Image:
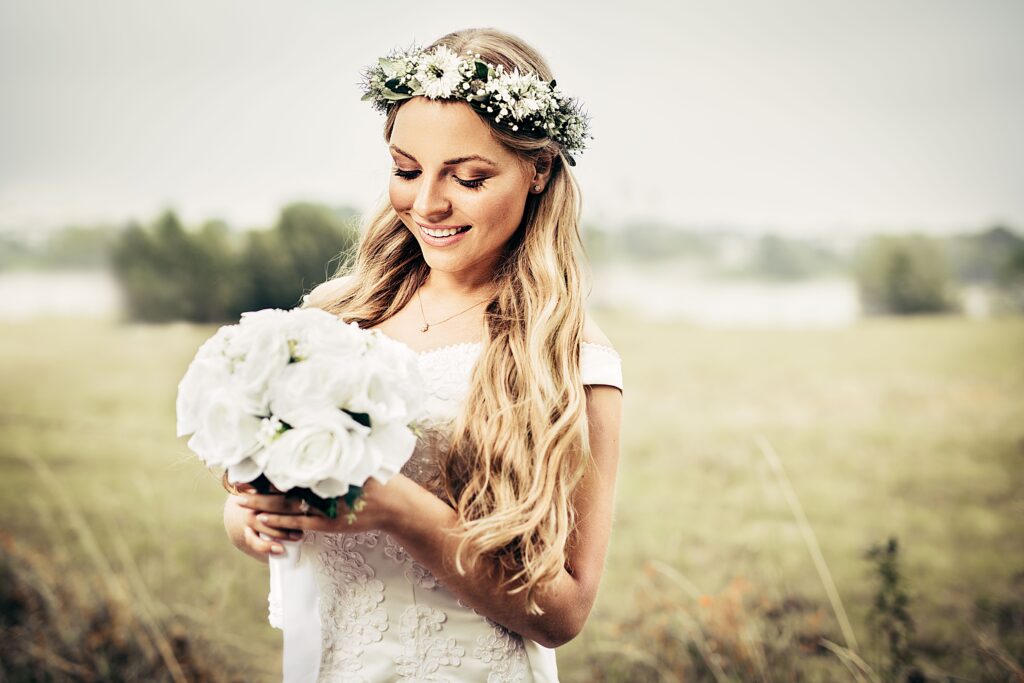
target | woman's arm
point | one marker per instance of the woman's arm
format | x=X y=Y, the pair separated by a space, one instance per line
x=424 y=525
x=428 y=536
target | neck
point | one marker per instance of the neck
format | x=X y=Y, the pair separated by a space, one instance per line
x=460 y=285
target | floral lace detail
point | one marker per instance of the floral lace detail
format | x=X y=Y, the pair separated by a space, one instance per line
x=395 y=551
x=351 y=611
x=416 y=573
x=504 y=651
x=419 y=575
x=446 y=372
x=425 y=649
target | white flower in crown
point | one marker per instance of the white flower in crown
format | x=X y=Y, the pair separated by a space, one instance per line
x=439 y=73
x=525 y=94
x=522 y=102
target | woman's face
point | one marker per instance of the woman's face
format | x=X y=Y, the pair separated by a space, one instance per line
x=450 y=174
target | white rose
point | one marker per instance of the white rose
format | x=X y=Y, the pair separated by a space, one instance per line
x=227 y=432
x=394 y=389
x=249 y=468
x=202 y=376
x=328 y=446
x=262 y=349
x=316 y=320
x=389 y=447
x=210 y=368
x=309 y=386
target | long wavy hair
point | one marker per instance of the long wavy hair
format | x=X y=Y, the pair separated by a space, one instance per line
x=520 y=444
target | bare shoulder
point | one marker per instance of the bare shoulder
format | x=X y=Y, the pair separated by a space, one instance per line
x=592 y=334
x=326 y=292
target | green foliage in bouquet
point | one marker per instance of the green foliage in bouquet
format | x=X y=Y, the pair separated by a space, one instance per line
x=329 y=506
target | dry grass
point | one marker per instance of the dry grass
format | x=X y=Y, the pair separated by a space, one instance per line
x=911 y=428
x=84 y=616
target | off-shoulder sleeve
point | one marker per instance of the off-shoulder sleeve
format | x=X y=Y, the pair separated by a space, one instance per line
x=600 y=364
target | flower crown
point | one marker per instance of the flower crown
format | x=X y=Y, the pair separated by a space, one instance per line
x=521 y=102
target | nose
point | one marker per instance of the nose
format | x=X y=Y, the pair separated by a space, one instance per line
x=431 y=200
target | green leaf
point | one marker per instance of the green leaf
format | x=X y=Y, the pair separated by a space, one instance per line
x=480 y=71
x=361 y=418
x=353 y=495
x=388 y=67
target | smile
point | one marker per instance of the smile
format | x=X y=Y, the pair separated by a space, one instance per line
x=444 y=236
x=443 y=231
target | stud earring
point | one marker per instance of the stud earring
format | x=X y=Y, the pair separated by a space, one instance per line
x=536 y=188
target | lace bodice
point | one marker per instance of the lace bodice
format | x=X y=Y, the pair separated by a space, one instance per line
x=384 y=616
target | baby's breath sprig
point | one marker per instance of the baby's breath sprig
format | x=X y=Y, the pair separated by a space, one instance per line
x=521 y=102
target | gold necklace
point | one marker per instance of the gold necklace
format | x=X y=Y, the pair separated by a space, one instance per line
x=426 y=325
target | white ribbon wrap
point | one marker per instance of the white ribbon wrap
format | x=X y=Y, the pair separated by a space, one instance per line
x=293 y=582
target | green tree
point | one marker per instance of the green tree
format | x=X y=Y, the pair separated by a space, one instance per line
x=167 y=273
x=296 y=254
x=904 y=274
x=213 y=275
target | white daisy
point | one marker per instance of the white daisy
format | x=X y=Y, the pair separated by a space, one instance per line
x=438 y=73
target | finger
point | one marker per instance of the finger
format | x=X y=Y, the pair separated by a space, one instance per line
x=260 y=545
x=300 y=522
x=275 y=503
x=281 y=534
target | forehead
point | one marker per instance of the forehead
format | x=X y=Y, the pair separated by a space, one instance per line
x=435 y=130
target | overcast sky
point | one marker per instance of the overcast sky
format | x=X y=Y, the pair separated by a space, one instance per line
x=795 y=116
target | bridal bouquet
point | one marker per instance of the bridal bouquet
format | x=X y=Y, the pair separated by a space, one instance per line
x=304 y=402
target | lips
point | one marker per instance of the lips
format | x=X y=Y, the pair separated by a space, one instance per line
x=441 y=231
x=443 y=235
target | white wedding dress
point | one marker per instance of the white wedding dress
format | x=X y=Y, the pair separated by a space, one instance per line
x=383 y=616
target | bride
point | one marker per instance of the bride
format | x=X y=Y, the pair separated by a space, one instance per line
x=486 y=552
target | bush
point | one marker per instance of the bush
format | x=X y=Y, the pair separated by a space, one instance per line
x=281 y=264
x=211 y=275
x=904 y=275
x=169 y=274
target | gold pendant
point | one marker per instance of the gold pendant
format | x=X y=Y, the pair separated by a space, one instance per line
x=425 y=328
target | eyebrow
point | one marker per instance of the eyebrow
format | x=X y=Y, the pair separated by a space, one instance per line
x=450 y=162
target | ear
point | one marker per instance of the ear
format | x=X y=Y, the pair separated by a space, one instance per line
x=542 y=173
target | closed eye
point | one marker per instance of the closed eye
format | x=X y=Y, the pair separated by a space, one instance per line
x=472 y=184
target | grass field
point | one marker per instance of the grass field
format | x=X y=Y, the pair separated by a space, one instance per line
x=912 y=429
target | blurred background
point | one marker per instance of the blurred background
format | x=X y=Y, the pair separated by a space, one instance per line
x=805 y=223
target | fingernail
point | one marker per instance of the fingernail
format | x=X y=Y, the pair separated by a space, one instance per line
x=264 y=518
x=277 y=549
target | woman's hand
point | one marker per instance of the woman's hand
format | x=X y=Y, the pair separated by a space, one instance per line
x=284 y=515
x=244 y=526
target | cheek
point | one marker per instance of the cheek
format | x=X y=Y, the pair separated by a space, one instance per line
x=505 y=211
x=401 y=194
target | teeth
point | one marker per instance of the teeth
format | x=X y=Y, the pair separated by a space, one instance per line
x=441 y=233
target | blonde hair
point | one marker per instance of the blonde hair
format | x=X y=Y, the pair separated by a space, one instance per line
x=520 y=444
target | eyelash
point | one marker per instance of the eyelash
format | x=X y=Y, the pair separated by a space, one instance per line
x=468 y=184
